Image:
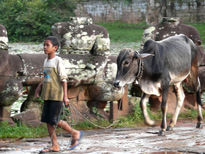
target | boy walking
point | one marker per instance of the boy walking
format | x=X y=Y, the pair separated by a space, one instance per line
x=54 y=93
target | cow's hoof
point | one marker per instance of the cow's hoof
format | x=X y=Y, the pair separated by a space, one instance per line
x=161 y=133
x=199 y=125
x=150 y=122
x=169 y=128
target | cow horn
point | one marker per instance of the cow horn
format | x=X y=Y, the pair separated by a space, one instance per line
x=144 y=55
x=136 y=54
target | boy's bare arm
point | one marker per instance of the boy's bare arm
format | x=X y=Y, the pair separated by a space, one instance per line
x=38 y=89
x=65 y=98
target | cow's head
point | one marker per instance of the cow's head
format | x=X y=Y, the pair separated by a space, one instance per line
x=129 y=65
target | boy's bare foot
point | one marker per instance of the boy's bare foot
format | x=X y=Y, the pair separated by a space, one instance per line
x=74 y=143
x=51 y=149
x=75 y=138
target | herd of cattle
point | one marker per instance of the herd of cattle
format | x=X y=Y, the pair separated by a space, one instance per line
x=170 y=55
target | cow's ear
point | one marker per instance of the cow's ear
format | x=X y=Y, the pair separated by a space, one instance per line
x=198 y=42
x=144 y=55
x=136 y=54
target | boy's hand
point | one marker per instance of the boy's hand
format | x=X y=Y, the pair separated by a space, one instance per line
x=66 y=101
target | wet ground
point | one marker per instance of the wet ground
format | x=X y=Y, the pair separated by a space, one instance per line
x=184 y=139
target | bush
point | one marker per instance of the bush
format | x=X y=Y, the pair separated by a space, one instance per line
x=21 y=131
x=31 y=20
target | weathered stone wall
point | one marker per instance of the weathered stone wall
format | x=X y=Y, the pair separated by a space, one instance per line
x=101 y=10
x=81 y=36
x=138 y=10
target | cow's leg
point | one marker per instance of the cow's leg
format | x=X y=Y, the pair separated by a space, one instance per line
x=143 y=105
x=164 y=108
x=180 y=99
x=199 y=105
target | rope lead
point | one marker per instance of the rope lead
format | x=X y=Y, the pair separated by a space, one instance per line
x=72 y=107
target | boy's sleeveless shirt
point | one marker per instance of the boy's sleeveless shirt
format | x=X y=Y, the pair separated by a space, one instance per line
x=54 y=75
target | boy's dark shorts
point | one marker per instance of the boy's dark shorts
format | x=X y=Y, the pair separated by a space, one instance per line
x=51 y=112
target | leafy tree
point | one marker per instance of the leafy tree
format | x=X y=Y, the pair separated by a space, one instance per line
x=31 y=20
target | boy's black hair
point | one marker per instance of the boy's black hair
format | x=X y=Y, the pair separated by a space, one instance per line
x=53 y=40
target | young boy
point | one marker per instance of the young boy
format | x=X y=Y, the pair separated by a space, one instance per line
x=54 y=93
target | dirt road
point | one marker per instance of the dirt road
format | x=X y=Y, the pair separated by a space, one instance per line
x=184 y=139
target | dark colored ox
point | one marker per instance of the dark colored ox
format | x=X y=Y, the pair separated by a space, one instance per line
x=157 y=66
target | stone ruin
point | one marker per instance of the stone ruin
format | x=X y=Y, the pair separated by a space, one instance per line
x=170 y=27
x=81 y=36
x=90 y=69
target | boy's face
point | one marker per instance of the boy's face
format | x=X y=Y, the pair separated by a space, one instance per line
x=49 y=48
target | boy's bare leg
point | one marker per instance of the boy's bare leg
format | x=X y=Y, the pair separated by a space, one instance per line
x=52 y=134
x=74 y=133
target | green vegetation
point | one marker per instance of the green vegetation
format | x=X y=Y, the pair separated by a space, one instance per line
x=122 y=32
x=21 y=131
x=190 y=114
x=132 y=120
x=31 y=20
x=201 y=28
x=86 y=125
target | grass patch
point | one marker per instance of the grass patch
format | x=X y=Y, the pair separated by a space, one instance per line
x=21 y=131
x=132 y=120
x=87 y=125
x=201 y=29
x=190 y=114
x=122 y=32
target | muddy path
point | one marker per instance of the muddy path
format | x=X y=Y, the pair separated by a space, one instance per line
x=184 y=139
